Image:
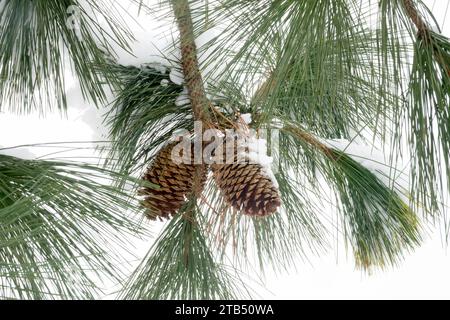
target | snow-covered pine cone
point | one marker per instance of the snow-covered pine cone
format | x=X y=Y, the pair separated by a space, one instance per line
x=246 y=186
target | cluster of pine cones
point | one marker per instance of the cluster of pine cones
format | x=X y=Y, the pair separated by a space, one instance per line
x=244 y=186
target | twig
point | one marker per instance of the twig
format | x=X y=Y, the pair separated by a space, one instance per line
x=194 y=82
x=424 y=31
x=263 y=91
x=312 y=141
x=416 y=18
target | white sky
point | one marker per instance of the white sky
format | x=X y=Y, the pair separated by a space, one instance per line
x=424 y=273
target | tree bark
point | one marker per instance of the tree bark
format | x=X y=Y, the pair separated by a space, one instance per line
x=423 y=31
x=194 y=81
x=200 y=104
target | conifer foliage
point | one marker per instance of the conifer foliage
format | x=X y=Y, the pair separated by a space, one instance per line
x=294 y=79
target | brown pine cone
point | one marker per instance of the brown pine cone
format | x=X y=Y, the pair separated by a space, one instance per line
x=246 y=187
x=175 y=181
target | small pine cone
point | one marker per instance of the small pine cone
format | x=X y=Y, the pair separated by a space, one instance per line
x=175 y=181
x=246 y=187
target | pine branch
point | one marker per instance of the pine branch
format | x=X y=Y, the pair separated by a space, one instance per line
x=181 y=266
x=426 y=107
x=415 y=17
x=424 y=32
x=199 y=102
x=378 y=224
x=189 y=60
x=61 y=225
x=143 y=116
x=36 y=39
x=312 y=141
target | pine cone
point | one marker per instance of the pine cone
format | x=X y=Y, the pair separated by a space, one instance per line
x=246 y=187
x=175 y=181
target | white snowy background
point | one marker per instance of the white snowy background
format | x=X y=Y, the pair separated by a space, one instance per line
x=423 y=274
